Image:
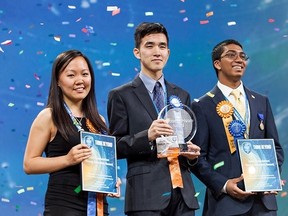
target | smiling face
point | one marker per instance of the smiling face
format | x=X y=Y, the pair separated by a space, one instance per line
x=153 y=54
x=75 y=81
x=230 y=69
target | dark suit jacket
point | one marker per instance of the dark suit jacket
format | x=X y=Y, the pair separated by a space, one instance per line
x=211 y=137
x=130 y=113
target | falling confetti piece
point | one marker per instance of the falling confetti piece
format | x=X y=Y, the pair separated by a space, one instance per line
x=40 y=104
x=130 y=25
x=33 y=203
x=11 y=104
x=57 y=38
x=271 y=20
x=216 y=166
x=36 y=76
x=111 y=8
x=72 y=35
x=30 y=188
x=211 y=13
x=231 y=23
x=106 y=64
x=185 y=19
x=148 y=13
x=71 y=7
x=21 y=52
x=284 y=194
x=7 y=42
x=197 y=194
x=1 y=50
x=21 y=191
x=115 y=12
x=78 y=189
x=27 y=86
x=65 y=22
x=115 y=74
x=203 y=22
x=182 y=11
x=78 y=20
x=5 y=200
x=12 y=88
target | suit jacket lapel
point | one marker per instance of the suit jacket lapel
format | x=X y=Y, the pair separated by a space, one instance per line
x=142 y=93
x=216 y=95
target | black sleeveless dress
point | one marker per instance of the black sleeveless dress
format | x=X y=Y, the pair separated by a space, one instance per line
x=63 y=197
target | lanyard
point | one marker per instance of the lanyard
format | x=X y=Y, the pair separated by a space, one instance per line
x=74 y=120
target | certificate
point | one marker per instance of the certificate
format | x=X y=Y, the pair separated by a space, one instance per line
x=259 y=165
x=99 y=171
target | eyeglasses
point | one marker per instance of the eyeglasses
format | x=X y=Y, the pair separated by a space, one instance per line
x=232 y=54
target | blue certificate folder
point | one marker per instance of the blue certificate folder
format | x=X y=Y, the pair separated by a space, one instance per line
x=259 y=165
x=99 y=171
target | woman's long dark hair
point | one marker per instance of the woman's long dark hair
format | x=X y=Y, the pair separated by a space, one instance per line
x=60 y=116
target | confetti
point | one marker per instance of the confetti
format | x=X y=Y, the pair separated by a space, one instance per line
x=148 y=13
x=130 y=25
x=65 y=22
x=71 y=7
x=211 y=13
x=7 y=42
x=33 y=203
x=216 y=166
x=21 y=191
x=1 y=50
x=182 y=11
x=36 y=76
x=105 y=64
x=40 y=104
x=197 y=194
x=284 y=194
x=185 y=19
x=30 y=188
x=116 y=11
x=5 y=200
x=11 y=104
x=231 y=23
x=57 y=38
x=21 y=52
x=77 y=189
x=72 y=35
x=203 y=22
x=27 y=86
x=115 y=74
x=78 y=20
x=271 y=20
x=111 y=8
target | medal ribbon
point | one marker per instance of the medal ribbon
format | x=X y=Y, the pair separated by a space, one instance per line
x=92 y=196
x=174 y=167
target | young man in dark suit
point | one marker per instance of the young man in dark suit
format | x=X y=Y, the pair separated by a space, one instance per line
x=133 y=120
x=220 y=122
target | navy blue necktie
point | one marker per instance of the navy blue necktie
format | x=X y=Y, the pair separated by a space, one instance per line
x=158 y=97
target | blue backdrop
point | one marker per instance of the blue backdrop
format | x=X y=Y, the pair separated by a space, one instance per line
x=33 y=32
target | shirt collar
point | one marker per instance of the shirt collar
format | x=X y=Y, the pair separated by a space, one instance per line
x=227 y=90
x=150 y=83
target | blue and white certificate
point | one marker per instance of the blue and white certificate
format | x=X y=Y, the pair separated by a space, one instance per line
x=99 y=171
x=259 y=165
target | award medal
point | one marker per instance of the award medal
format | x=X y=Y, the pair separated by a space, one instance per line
x=261 y=118
x=175 y=101
x=237 y=128
x=224 y=109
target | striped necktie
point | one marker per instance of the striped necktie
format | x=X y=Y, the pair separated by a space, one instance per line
x=158 y=97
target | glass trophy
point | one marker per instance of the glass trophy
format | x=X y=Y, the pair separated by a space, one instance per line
x=183 y=121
